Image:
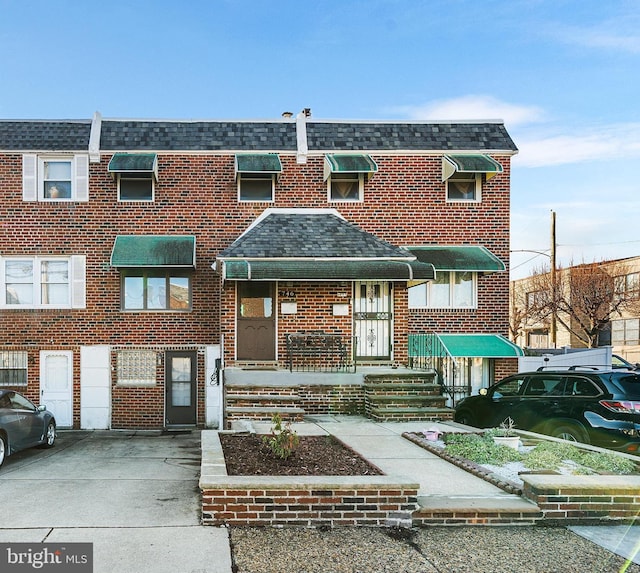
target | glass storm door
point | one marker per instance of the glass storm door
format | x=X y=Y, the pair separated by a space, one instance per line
x=180 y=386
x=372 y=319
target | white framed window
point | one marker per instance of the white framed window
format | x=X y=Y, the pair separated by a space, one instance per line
x=346 y=187
x=136 y=367
x=256 y=187
x=625 y=332
x=13 y=368
x=136 y=187
x=464 y=187
x=43 y=282
x=55 y=177
x=155 y=290
x=450 y=289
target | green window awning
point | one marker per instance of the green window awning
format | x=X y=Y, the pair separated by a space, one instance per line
x=266 y=163
x=349 y=163
x=325 y=270
x=459 y=258
x=154 y=251
x=134 y=163
x=479 y=346
x=472 y=163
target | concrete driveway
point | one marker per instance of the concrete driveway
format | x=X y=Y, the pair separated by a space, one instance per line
x=134 y=495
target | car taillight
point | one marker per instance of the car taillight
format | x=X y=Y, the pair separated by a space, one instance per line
x=622 y=406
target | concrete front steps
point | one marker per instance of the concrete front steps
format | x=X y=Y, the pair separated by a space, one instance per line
x=259 y=403
x=404 y=397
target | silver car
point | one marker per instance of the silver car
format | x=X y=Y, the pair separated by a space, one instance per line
x=23 y=425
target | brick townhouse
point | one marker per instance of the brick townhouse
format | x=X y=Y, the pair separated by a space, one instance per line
x=142 y=260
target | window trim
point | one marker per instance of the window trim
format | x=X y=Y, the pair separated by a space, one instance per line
x=337 y=177
x=76 y=283
x=150 y=272
x=253 y=176
x=33 y=177
x=466 y=176
x=427 y=285
x=129 y=177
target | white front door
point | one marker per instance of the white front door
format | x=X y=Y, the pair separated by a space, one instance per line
x=56 y=385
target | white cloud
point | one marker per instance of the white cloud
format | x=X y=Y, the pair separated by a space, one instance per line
x=615 y=141
x=474 y=107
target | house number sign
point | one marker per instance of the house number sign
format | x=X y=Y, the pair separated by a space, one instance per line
x=286 y=294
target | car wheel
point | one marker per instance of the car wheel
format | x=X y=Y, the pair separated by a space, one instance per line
x=50 y=436
x=3 y=449
x=571 y=433
x=465 y=417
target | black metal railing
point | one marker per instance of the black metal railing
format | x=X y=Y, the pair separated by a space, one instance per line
x=426 y=352
x=316 y=351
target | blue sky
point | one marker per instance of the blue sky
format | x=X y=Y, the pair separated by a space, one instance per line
x=564 y=75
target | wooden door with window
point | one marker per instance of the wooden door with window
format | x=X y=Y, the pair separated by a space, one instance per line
x=181 y=374
x=256 y=326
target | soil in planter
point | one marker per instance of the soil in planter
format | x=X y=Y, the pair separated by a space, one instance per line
x=314 y=456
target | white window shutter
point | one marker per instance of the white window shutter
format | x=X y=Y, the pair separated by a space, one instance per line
x=78 y=281
x=29 y=177
x=81 y=178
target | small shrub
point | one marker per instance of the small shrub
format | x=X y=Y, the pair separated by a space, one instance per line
x=608 y=463
x=480 y=449
x=282 y=440
x=542 y=459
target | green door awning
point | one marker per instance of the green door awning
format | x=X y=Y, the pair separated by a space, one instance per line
x=266 y=163
x=136 y=163
x=471 y=163
x=459 y=258
x=349 y=163
x=325 y=270
x=479 y=346
x=154 y=251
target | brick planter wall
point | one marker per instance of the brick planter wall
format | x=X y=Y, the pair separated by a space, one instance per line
x=300 y=500
x=584 y=499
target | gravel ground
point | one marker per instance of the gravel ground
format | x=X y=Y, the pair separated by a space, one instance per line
x=429 y=550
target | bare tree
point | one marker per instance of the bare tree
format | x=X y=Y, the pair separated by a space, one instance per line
x=583 y=299
x=518 y=314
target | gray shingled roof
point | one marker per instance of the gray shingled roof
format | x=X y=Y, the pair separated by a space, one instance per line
x=197 y=135
x=45 y=135
x=322 y=136
x=327 y=136
x=316 y=235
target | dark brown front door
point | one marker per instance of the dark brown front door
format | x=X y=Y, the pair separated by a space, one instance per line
x=256 y=321
x=180 y=384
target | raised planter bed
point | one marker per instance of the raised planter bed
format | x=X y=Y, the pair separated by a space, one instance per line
x=300 y=500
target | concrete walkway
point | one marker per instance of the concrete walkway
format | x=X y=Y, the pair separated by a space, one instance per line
x=383 y=445
x=443 y=485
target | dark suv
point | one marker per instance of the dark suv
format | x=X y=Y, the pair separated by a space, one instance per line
x=592 y=406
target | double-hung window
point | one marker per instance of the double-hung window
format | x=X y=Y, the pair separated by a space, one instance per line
x=55 y=177
x=13 y=368
x=136 y=174
x=43 y=282
x=256 y=176
x=449 y=290
x=465 y=174
x=345 y=175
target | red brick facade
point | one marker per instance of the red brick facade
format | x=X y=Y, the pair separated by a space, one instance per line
x=196 y=194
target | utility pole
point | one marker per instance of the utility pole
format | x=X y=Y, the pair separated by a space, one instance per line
x=554 y=287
